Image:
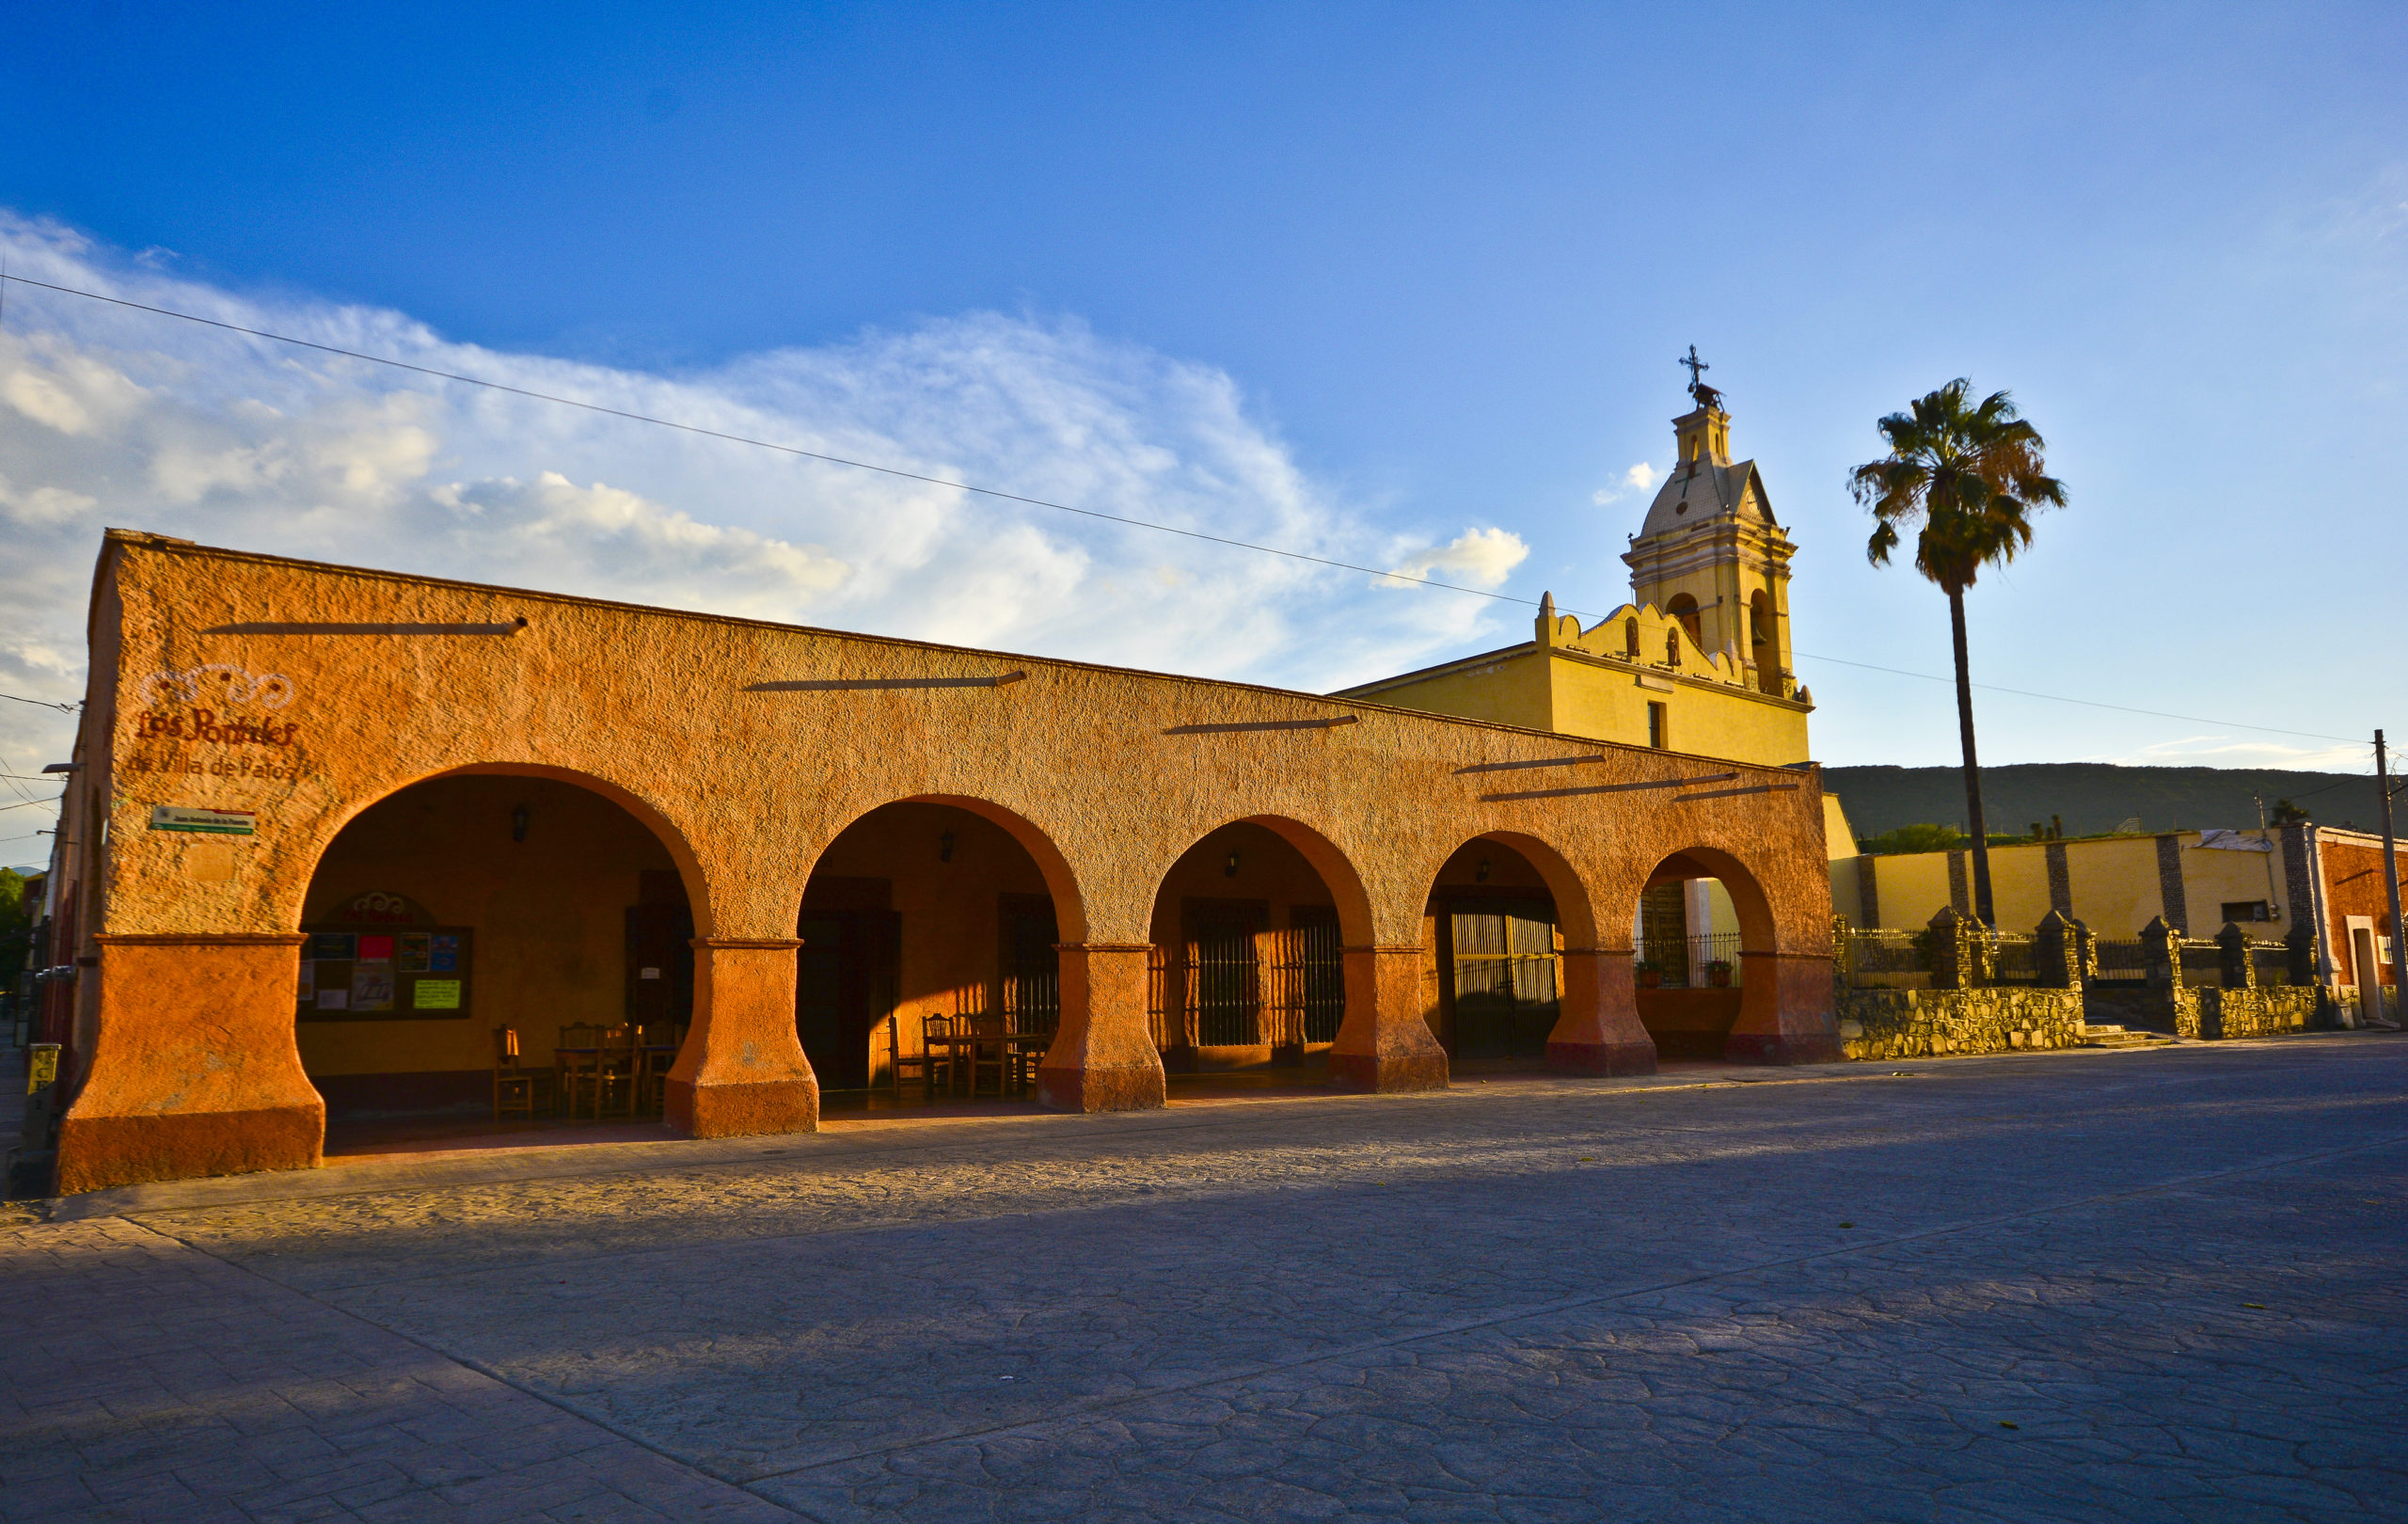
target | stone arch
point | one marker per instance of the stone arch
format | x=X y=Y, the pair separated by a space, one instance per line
x=1690 y=1006
x=1250 y=929
x=515 y=905
x=928 y=909
x=1061 y=880
x=323 y=831
x=1506 y=932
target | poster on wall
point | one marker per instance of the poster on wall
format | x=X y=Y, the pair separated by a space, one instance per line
x=333 y=999
x=375 y=947
x=372 y=985
x=436 y=994
x=308 y=982
x=331 y=947
x=410 y=952
x=443 y=953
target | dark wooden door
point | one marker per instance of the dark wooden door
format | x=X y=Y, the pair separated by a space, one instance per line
x=660 y=963
x=846 y=979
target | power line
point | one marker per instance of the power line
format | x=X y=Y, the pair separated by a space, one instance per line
x=46 y=704
x=2060 y=698
x=1015 y=497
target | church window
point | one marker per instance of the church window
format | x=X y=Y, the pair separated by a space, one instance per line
x=1658 y=726
x=1684 y=608
x=1630 y=639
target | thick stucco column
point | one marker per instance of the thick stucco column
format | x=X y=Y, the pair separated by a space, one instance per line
x=1786 y=1014
x=1599 y=1032
x=1384 y=1043
x=743 y=1069
x=194 y=1069
x=1104 y=1057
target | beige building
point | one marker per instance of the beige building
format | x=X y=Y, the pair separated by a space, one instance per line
x=1698 y=662
x=2267 y=882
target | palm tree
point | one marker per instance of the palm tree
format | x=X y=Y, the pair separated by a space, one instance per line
x=1975 y=475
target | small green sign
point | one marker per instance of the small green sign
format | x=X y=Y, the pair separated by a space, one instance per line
x=207 y=822
x=436 y=994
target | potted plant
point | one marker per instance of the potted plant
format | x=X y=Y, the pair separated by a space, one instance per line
x=1717 y=974
x=1651 y=974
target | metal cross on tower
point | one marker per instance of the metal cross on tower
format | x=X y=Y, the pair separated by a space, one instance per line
x=1707 y=396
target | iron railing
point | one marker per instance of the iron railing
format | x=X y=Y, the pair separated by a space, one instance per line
x=1271 y=989
x=1691 y=962
x=2120 y=961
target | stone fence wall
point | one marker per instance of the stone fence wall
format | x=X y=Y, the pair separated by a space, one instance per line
x=1921 y=1023
x=1966 y=1012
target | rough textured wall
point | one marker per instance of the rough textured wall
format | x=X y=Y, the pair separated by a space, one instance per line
x=307 y=693
x=707 y=729
x=2265 y=1011
x=1916 y=1023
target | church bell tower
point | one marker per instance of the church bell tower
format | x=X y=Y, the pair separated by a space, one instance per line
x=1710 y=553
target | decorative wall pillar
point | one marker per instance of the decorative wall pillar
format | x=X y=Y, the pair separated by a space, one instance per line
x=2162 y=951
x=193 y=1067
x=1955 y=951
x=1385 y=1043
x=2299 y=947
x=1599 y=1032
x=1785 y=1011
x=743 y=1069
x=2058 y=950
x=2240 y=970
x=1104 y=1057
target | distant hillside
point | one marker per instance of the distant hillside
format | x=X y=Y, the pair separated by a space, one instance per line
x=2096 y=797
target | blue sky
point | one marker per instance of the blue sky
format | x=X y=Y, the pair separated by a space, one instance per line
x=1400 y=283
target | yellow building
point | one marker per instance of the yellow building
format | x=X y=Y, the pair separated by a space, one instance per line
x=1699 y=661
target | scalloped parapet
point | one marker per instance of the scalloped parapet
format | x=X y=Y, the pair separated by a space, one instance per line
x=1642 y=634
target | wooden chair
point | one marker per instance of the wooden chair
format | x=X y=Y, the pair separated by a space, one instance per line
x=988 y=1051
x=614 y=1091
x=924 y=1061
x=575 y=1057
x=936 y=1046
x=657 y=1048
x=517 y=1091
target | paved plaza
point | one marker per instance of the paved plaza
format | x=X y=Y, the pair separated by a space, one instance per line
x=2126 y=1286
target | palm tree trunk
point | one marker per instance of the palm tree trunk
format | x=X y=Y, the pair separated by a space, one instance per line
x=1972 y=766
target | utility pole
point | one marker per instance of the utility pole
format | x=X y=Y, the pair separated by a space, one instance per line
x=2390 y=884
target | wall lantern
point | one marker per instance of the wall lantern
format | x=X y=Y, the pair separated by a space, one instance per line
x=1480 y=873
x=945 y=847
x=518 y=823
x=1229 y=868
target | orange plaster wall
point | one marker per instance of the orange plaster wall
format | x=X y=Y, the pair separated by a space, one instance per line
x=747 y=749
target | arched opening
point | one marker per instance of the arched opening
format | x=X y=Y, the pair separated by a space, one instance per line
x=1697 y=920
x=489 y=950
x=1762 y=648
x=1630 y=639
x=928 y=969
x=1248 y=970
x=1684 y=609
x=1491 y=945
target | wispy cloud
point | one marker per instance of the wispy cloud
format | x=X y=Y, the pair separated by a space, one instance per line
x=1481 y=558
x=1639 y=477
x=114 y=417
x=2220 y=751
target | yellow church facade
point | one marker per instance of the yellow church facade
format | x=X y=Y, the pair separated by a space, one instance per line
x=1698 y=661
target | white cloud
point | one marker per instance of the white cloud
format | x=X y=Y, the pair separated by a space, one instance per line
x=2248 y=752
x=117 y=417
x=1639 y=477
x=1481 y=558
